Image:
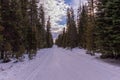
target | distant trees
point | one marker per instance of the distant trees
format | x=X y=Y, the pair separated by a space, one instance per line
x=22 y=29
x=49 y=39
x=62 y=39
x=98 y=25
x=69 y=37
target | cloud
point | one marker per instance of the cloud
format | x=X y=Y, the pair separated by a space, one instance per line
x=56 y=9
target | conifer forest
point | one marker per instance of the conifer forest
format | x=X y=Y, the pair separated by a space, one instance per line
x=22 y=29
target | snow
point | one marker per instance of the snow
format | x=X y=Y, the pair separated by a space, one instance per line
x=60 y=64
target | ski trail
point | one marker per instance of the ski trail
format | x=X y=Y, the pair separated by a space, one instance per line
x=61 y=64
x=38 y=68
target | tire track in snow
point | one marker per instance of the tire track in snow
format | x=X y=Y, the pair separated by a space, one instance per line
x=38 y=68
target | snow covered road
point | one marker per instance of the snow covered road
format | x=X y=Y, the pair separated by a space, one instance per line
x=60 y=64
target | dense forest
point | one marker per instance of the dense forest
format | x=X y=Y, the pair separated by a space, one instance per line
x=97 y=28
x=23 y=29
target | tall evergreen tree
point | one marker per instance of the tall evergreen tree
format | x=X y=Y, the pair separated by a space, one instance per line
x=32 y=29
x=48 y=34
x=41 y=28
x=1 y=35
x=90 y=42
x=82 y=23
x=7 y=32
x=25 y=20
x=100 y=24
x=64 y=39
x=16 y=20
x=71 y=29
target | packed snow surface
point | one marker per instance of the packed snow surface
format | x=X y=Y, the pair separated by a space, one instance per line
x=60 y=64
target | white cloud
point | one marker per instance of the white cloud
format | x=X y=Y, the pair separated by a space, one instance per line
x=56 y=9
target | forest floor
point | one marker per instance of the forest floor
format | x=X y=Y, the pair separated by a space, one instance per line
x=61 y=64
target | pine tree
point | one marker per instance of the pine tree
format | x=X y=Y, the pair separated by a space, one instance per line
x=25 y=21
x=71 y=29
x=1 y=35
x=41 y=28
x=74 y=34
x=16 y=17
x=82 y=23
x=116 y=27
x=100 y=24
x=68 y=28
x=90 y=42
x=32 y=29
x=64 y=38
x=48 y=34
x=7 y=32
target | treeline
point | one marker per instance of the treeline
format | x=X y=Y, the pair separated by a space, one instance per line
x=97 y=28
x=22 y=29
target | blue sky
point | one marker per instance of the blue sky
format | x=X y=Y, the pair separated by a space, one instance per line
x=63 y=22
x=71 y=3
x=68 y=1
